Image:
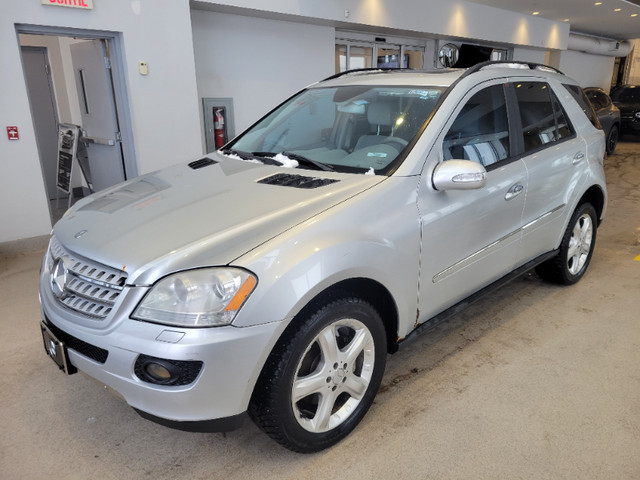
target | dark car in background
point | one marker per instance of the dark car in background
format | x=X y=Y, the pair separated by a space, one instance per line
x=627 y=99
x=608 y=115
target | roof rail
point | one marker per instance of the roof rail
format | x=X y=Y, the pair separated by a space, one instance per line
x=365 y=70
x=509 y=64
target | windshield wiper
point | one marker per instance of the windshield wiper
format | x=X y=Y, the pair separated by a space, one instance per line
x=308 y=162
x=251 y=156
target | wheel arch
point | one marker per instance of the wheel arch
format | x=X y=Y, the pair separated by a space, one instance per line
x=595 y=196
x=366 y=289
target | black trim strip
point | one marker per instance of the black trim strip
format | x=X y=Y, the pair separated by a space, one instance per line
x=458 y=307
x=225 y=424
x=96 y=354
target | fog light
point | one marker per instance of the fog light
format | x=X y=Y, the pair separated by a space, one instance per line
x=158 y=372
x=161 y=371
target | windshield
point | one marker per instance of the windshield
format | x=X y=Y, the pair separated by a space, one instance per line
x=350 y=128
x=626 y=95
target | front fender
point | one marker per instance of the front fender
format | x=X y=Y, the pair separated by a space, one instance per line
x=362 y=238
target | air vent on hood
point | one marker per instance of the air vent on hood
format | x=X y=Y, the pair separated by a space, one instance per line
x=203 y=162
x=296 y=181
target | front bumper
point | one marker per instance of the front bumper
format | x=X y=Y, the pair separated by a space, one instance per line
x=215 y=401
x=630 y=122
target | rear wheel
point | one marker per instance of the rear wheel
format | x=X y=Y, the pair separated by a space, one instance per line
x=319 y=383
x=575 y=251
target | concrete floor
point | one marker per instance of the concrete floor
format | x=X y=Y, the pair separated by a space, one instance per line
x=535 y=382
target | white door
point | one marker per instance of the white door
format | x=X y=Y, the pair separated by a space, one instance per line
x=43 y=112
x=91 y=66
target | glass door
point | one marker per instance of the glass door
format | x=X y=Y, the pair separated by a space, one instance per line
x=388 y=56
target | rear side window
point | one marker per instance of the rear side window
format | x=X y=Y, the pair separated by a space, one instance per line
x=578 y=94
x=543 y=121
x=480 y=132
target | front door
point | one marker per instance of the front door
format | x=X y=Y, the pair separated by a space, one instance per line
x=100 y=125
x=470 y=238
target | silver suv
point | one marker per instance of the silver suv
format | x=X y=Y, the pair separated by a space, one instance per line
x=273 y=276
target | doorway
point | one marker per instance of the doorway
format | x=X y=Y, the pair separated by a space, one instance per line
x=76 y=78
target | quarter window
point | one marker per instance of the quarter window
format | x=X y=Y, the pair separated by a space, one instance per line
x=580 y=97
x=543 y=120
x=480 y=132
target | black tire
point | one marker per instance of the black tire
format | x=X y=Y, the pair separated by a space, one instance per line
x=576 y=249
x=612 y=139
x=326 y=378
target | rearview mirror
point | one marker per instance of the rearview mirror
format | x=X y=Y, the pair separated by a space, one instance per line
x=459 y=175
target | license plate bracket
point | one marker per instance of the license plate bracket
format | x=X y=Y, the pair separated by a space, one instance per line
x=56 y=350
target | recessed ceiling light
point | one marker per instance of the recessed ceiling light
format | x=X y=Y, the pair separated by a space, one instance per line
x=617 y=9
x=535 y=13
x=565 y=20
x=634 y=14
x=598 y=3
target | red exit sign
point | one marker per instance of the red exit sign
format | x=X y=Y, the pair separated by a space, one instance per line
x=86 y=4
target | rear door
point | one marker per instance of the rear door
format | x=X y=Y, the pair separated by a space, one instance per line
x=555 y=159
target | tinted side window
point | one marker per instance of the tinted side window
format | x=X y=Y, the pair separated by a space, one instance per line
x=581 y=98
x=603 y=99
x=543 y=120
x=480 y=132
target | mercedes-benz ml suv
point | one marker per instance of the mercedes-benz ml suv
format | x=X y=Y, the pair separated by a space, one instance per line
x=272 y=277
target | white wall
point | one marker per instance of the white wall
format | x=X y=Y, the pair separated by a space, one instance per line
x=633 y=68
x=446 y=18
x=258 y=62
x=163 y=105
x=587 y=69
x=533 y=55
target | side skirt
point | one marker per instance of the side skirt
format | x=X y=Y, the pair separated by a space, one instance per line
x=458 y=307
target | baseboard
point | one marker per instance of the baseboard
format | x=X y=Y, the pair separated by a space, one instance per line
x=24 y=245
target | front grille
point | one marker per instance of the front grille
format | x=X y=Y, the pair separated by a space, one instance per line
x=91 y=351
x=88 y=288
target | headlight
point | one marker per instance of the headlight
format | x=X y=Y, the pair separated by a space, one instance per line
x=197 y=298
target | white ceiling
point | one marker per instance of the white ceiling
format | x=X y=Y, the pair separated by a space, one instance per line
x=584 y=16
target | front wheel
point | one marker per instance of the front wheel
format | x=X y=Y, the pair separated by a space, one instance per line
x=575 y=251
x=320 y=381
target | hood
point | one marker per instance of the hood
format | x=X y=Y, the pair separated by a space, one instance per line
x=629 y=107
x=208 y=212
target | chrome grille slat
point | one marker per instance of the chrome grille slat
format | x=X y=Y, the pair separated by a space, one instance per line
x=90 y=289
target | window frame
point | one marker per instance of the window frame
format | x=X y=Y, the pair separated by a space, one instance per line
x=513 y=143
x=582 y=99
x=520 y=130
x=516 y=131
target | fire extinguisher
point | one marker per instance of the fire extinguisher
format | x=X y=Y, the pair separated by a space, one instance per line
x=218 y=127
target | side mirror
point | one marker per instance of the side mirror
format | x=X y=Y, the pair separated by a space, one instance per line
x=459 y=175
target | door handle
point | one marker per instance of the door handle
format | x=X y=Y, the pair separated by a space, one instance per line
x=577 y=158
x=514 y=191
x=99 y=141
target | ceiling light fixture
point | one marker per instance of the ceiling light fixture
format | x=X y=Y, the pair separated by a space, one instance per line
x=535 y=13
x=617 y=9
x=598 y=3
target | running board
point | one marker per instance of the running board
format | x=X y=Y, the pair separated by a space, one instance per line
x=458 y=307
